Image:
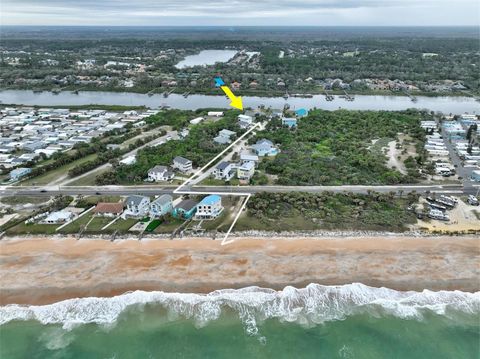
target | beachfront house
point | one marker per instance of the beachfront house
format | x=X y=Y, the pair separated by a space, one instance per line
x=224 y=171
x=18 y=173
x=58 y=217
x=209 y=208
x=224 y=137
x=160 y=173
x=182 y=164
x=105 y=209
x=137 y=206
x=161 y=206
x=246 y=171
x=185 y=209
x=264 y=148
x=289 y=121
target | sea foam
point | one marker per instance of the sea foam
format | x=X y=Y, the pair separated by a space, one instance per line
x=308 y=306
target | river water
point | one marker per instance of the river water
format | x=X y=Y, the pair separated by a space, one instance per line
x=454 y=105
x=206 y=57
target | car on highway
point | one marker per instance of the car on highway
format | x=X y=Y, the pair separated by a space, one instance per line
x=472 y=200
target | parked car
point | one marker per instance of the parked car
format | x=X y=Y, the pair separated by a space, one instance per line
x=472 y=200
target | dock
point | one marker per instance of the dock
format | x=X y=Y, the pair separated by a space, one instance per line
x=348 y=97
x=167 y=93
x=328 y=97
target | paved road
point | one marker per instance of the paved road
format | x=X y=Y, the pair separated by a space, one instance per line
x=158 y=189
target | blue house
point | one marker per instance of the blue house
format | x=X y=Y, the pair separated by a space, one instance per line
x=18 y=173
x=265 y=147
x=209 y=208
x=301 y=112
x=161 y=206
x=185 y=209
x=289 y=121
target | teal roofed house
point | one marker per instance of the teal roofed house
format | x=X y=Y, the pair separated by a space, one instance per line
x=161 y=206
x=209 y=208
x=289 y=121
x=301 y=112
x=185 y=209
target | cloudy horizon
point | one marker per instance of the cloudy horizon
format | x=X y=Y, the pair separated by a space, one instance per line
x=238 y=13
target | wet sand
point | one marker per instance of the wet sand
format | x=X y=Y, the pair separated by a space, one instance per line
x=41 y=271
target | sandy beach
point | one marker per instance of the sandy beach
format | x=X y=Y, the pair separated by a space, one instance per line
x=41 y=271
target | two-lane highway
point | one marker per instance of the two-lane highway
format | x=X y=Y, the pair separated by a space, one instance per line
x=152 y=190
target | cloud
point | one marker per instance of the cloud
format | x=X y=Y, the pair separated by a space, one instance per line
x=239 y=12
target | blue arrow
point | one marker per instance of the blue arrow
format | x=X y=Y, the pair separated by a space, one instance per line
x=219 y=82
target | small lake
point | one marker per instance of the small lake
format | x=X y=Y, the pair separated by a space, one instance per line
x=206 y=57
x=454 y=105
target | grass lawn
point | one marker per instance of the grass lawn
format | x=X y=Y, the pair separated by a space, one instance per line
x=93 y=200
x=77 y=224
x=169 y=225
x=24 y=200
x=122 y=225
x=291 y=223
x=88 y=180
x=98 y=223
x=50 y=176
x=212 y=182
x=32 y=228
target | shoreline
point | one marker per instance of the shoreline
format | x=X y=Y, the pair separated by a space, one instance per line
x=264 y=94
x=41 y=271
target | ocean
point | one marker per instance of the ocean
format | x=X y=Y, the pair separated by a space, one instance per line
x=349 y=321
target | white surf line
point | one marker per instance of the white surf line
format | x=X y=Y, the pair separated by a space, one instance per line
x=177 y=190
x=224 y=241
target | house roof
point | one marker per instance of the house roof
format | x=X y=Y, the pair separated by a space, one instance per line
x=158 y=168
x=223 y=165
x=163 y=199
x=248 y=165
x=135 y=200
x=264 y=142
x=186 y=205
x=248 y=157
x=222 y=139
x=226 y=132
x=105 y=207
x=301 y=112
x=182 y=160
x=58 y=216
x=211 y=199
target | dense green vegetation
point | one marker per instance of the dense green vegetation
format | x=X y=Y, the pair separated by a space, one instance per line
x=334 y=211
x=316 y=53
x=198 y=147
x=331 y=148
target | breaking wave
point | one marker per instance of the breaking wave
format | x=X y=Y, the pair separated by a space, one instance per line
x=307 y=306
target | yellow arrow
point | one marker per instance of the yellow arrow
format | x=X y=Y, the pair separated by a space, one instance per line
x=236 y=101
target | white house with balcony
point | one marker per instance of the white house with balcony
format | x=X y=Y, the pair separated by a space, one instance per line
x=209 y=208
x=160 y=173
x=182 y=164
x=224 y=171
x=136 y=206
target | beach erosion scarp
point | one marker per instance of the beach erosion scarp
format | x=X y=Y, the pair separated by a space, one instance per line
x=38 y=271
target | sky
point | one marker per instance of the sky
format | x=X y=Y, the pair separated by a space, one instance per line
x=241 y=12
